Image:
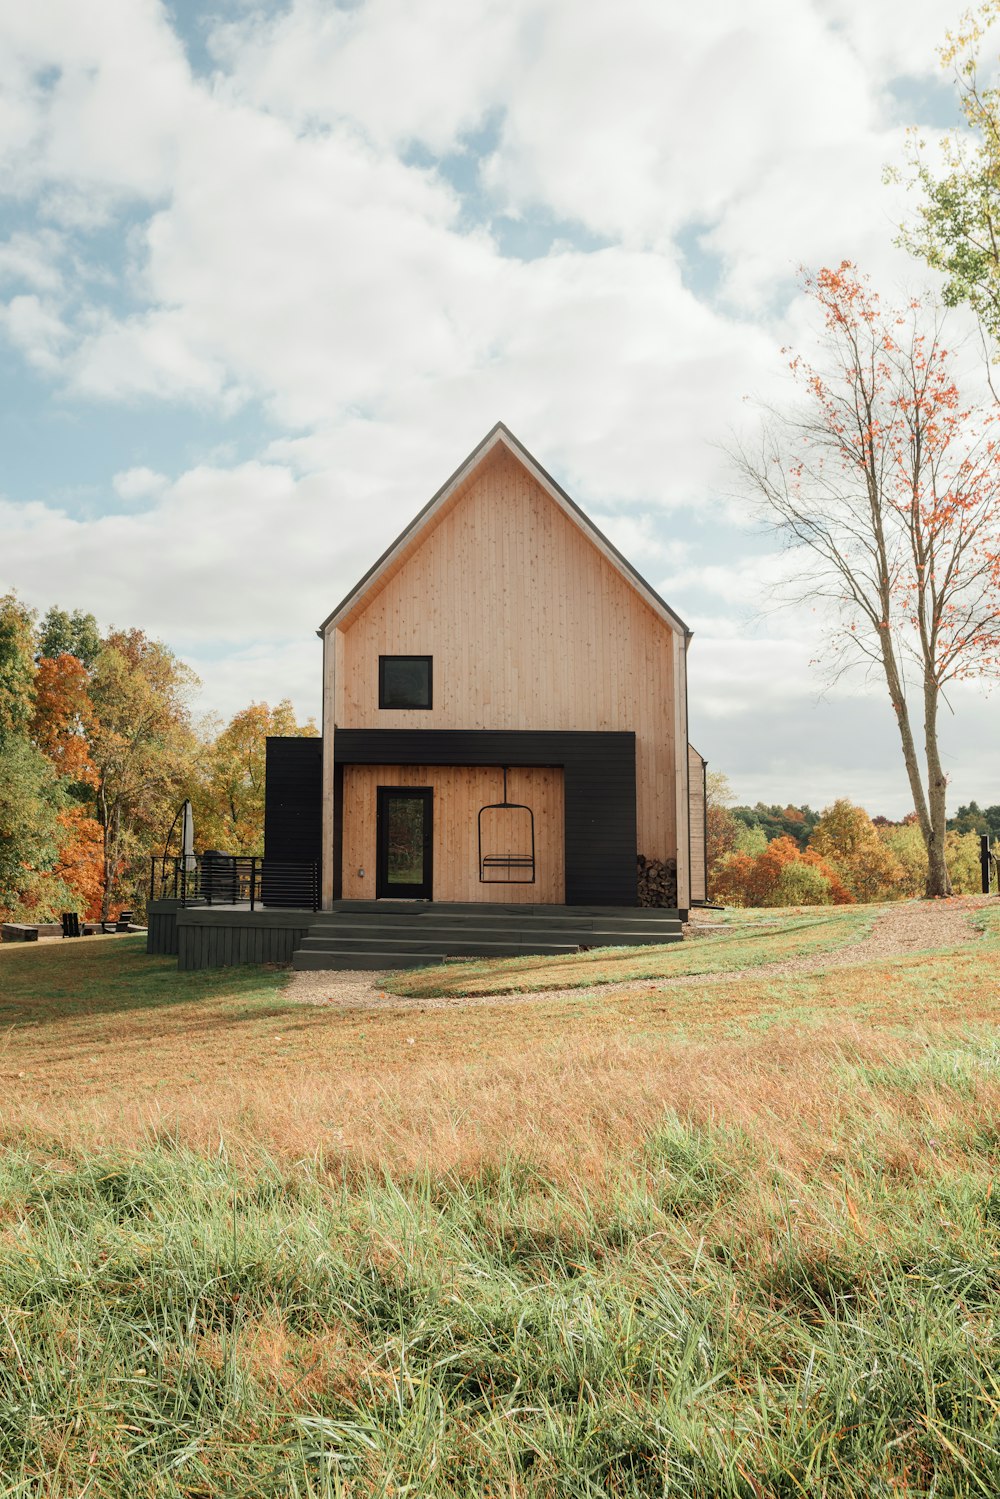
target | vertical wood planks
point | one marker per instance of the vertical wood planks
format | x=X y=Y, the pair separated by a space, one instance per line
x=530 y=627
x=459 y=793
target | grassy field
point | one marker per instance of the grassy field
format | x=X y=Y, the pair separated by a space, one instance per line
x=737 y=1240
x=744 y=940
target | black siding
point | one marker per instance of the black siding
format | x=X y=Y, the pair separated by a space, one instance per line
x=599 y=785
x=161 y=927
x=226 y=939
x=293 y=806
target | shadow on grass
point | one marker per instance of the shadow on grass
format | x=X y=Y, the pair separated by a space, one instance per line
x=78 y=978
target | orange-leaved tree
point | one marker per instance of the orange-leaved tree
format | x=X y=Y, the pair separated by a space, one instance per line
x=63 y=716
x=781 y=875
x=886 y=486
x=80 y=862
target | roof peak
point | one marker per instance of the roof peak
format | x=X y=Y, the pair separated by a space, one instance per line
x=498 y=431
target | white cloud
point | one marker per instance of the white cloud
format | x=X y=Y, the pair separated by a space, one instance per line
x=35 y=327
x=139 y=484
x=96 y=98
x=32 y=259
x=284 y=247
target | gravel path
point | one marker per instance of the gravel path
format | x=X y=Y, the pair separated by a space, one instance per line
x=916 y=926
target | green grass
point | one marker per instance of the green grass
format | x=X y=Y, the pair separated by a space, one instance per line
x=86 y=976
x=180 y=1325
x=768 y=937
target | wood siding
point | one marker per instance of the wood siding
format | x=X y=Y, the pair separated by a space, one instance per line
x=696 y=780
x=531 y=628
x=459 y=792
x=598 y=786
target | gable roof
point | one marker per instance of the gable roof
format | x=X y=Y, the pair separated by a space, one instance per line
x=501 y=435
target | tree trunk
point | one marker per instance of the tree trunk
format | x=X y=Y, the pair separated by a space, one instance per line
x=938 y=881
x=910 y=759
x=102 y=812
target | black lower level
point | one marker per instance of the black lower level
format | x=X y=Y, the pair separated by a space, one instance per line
x=599 y=790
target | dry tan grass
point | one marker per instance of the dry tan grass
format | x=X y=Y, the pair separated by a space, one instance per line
x=565 y=1082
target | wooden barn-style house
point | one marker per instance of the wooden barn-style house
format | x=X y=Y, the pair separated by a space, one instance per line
x=504 y=764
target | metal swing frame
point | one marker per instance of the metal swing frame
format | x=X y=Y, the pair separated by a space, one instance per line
x=507 y=862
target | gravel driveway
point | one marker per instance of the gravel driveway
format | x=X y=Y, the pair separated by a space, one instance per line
x=915 y=926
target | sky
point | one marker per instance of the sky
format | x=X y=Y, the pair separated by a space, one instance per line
x=268 y=272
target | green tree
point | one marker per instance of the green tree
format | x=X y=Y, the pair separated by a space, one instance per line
x=956 y=226
x=779 y=822
x=76 y=634
x=17 y=666
x=229 y=799
x=31 y=800
x=143 y=749
x=976 y=819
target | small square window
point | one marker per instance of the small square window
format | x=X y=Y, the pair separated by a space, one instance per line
x=404 y=681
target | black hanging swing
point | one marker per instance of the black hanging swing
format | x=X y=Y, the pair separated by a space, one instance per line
x=512 y=826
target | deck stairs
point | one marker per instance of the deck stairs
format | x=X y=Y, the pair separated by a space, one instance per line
x=414 y=934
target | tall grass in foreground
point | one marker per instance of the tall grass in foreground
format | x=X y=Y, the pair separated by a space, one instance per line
x=717 y=1313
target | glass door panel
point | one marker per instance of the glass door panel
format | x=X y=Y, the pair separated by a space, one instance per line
x=405 y=822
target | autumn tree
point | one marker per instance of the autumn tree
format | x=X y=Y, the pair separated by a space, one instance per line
x=781 y=874
x=721 y=827
x=143 y=748
x=906 y=846
x=229 y=797
x=886 y=486
x=846 y=837
x=79 y=863
x=63 y=716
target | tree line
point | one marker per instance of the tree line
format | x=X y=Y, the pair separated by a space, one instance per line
x=98 y=748
x=791 y=856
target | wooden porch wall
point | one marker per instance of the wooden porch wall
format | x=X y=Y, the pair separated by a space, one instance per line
x=161 y=927
x=220 y=938
x=459 y=792
x=530 y=628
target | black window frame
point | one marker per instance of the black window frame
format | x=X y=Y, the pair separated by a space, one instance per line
x=412 y=707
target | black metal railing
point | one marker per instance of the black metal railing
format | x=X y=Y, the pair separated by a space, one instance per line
x=216 y=879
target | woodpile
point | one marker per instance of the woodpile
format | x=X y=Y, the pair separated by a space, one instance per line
x=657 y=882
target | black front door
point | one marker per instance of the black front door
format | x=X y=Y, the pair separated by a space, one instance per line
x=404 y=834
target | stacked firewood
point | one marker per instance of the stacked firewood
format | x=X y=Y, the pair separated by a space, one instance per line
x=657 y=882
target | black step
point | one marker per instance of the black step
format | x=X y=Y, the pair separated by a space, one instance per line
x=373 y=934
x=367 y=961
x=452 y=950
x=490 y=932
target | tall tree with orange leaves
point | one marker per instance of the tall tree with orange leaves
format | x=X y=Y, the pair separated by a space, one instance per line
x=63 y=716
x=885 y=485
